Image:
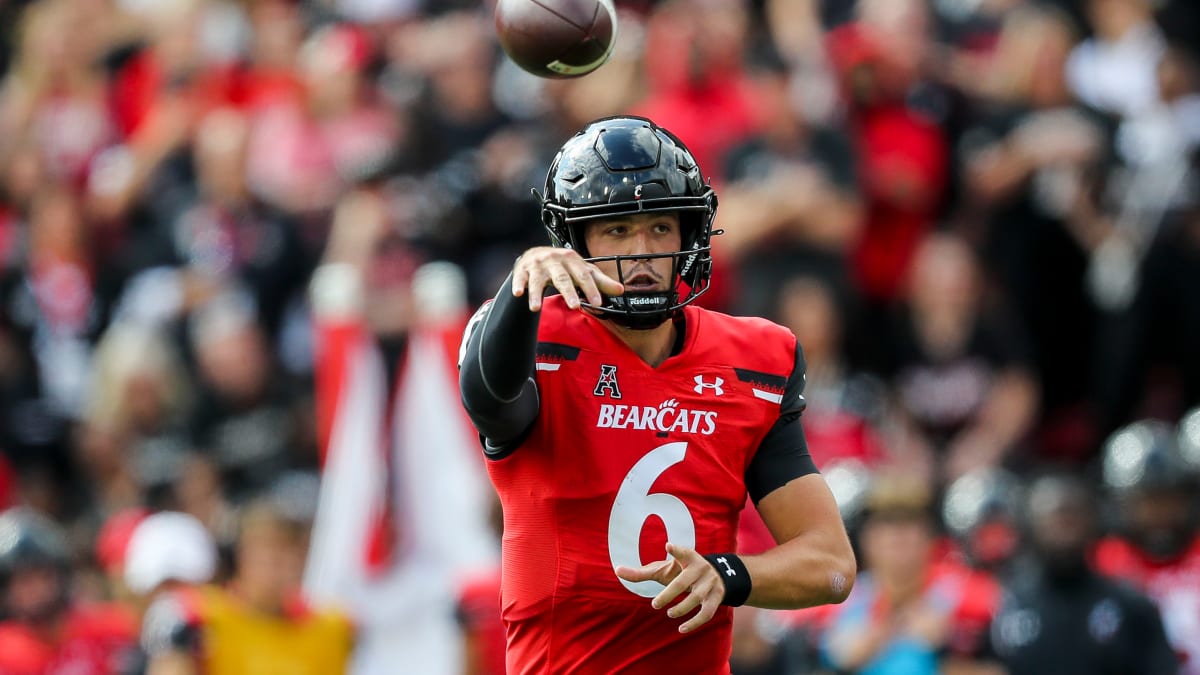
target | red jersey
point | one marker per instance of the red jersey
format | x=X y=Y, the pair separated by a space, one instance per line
x=622 y=458
x=1173 y=585
x=976 y=603
x=479 y=618
x=94 y=640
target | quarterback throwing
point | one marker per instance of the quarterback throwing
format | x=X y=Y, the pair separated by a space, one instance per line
x=624 y=427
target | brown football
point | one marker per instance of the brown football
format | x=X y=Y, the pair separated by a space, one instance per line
x=557 y=38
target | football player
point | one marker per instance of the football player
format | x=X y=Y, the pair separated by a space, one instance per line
x=44 y=630
x=624 y=426
x=1151 y=471
x=1059 y=617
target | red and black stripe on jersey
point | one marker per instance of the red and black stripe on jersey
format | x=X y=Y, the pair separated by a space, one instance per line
x=556 y=351
x=773 y=383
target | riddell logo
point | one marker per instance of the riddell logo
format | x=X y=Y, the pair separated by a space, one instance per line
x=668 y=416
x=643 y=301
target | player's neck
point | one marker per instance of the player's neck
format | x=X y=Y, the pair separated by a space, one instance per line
x=653 y=345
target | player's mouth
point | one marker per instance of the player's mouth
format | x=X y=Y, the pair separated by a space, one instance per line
x=642 y=281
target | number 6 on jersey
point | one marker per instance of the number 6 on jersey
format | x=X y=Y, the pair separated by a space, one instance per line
x=635 y=504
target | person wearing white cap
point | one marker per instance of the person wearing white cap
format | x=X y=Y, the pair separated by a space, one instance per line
x=251 y=623
x=168 y=553
x=169 y=547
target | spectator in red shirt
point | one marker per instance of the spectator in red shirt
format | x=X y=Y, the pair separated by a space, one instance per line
x=696 y=76
x=902 y=154
x=303 y=154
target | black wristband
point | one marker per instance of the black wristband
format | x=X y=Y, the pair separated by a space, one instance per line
x=733 y=573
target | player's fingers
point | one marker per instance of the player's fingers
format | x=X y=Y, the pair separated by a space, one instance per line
x=661 y=571
x=606 y=284
x=686 y=558
x=679 y=584
x=635 y=574
x=536 y=286
x=685 y=555
x=561 y=278
x=586 y=282
x=708 y=610
x=520 y=279
x=695 y=596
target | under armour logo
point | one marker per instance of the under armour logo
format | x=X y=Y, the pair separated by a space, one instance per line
x=701 y=385
x=728 y=570
x=607 y=384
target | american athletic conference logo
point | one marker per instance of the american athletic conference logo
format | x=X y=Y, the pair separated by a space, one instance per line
x=667 y=416
x=607 y=384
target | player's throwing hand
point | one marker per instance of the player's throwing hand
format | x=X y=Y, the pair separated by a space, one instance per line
x=564 y=269
x=685 y=570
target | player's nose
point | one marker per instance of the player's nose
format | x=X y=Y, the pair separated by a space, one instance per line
x=641 y=243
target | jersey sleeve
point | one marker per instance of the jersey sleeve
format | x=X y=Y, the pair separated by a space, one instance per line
x=783 y=454
x=496 y=365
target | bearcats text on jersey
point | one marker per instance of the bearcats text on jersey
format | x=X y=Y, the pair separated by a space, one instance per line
x=668 y=416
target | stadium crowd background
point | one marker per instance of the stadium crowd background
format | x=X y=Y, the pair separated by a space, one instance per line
x=980 y=217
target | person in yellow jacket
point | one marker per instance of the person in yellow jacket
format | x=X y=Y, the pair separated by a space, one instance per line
x=255 y=624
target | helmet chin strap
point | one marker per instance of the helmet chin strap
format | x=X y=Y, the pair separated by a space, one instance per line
x=640 y=310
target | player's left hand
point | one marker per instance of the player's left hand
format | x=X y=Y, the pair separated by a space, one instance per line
x=684 y=570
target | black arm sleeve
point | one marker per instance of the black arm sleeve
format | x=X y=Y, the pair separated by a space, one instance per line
x=495 y=374
x=783 y=454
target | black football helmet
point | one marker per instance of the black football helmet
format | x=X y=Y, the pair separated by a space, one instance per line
x=981 y=509
x=30 y=541
x=1188 y=439
x=1154 y=479
x=1146 y=455
x=622 y=166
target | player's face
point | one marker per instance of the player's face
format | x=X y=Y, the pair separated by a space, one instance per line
x=1161 y=520
x=641 y=234
x=32 y=592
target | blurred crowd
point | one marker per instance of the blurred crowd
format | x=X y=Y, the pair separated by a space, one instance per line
x=980 y=217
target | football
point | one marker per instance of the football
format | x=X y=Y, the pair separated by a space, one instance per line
x=557 y=38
